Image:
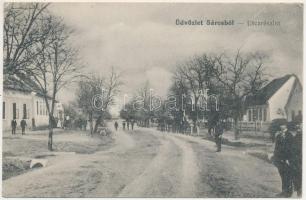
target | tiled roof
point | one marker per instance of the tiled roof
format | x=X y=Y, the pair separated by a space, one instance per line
x=267 y=92
x=14 y=82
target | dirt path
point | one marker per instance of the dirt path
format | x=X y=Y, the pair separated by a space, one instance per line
x=154 y=176
x=190 y=171
x=148 y=163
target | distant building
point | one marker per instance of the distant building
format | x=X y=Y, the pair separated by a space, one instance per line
x=20 y=102
x=281 y=98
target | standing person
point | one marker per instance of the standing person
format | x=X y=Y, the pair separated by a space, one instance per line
x=218 y=135
x=85 y=124
x=14 y=125
x=116 y=125
x=123 y=125
x=33 y=124
x=23 y=124
x=281 y=159
x=132 y=124
x=296 y=160
x=128 y=124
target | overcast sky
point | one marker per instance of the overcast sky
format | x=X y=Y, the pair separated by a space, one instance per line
x=142 y=40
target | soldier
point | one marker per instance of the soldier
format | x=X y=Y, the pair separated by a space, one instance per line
x=218 y=135
x=281 y=159
x=116 y=125
x=23 y=124
x=14 y=125
x=296 y=160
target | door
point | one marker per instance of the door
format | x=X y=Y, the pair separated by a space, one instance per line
x=24 y=111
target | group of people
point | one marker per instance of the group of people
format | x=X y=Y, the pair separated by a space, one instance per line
x=288 y=159
x=23 y=125
x=287 y=156
x=125 y=124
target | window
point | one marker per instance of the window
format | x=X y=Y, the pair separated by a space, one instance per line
x=24 y=111
x=265 y=115
x=14 y=111
x=40 y=108
x=250 y=115
x=37 y=107
x=3 y=110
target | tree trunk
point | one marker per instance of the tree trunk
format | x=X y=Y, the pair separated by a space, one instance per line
x=194 y=130
x=91 y=124
x=98 y=122
x=236 y=128
x=50 y=136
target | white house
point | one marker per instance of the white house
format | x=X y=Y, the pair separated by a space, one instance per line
x=20 y=102
x=281 y=98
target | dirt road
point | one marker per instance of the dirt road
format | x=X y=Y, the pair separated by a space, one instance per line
x=148 y=163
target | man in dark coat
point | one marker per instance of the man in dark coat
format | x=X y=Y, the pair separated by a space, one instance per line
x=218 y=135
x=14 y=125
x=123 y=125
x=282 y=158
x=296 y=160
x=116 y=125
x=23 y=125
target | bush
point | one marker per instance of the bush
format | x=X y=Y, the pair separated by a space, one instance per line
x=275 y=127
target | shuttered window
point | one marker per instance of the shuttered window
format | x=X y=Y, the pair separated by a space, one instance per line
x=3 y=110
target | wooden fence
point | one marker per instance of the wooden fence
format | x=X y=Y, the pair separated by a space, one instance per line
x=254 y=126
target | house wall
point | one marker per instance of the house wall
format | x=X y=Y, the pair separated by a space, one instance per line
x=257 y=113
x=279 y=100
x=286 y=103
x=35 y=109
x=294 y=106
x=19 y=98
x=40 y=113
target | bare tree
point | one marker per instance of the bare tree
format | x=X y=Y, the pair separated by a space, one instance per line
x=36 y=50
x=88 y=87
x=21 y=33
x=112 y=88
x=54 y=67
x=240 y=76
x=144 y=111
x=196 y=75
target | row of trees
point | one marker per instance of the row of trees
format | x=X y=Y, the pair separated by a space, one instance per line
x=229 y=78
x=219 y=82
x=37 y=51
